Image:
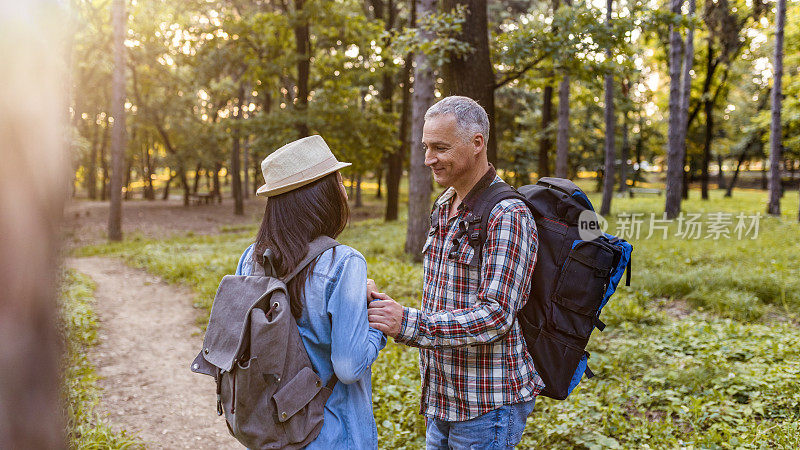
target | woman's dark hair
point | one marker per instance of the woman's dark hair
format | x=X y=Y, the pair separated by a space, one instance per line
x=295 y=218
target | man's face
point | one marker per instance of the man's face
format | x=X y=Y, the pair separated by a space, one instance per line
x=447 y=153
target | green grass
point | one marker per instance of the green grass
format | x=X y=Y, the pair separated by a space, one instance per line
x=85 y=429
x=701 y=351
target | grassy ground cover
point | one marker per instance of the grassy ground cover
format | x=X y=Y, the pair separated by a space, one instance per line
x=701 y=350
x=85 y=430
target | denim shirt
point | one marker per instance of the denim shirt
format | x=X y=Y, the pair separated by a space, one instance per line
x=337 y=336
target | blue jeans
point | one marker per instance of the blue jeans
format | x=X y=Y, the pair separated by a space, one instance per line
x=497 y=429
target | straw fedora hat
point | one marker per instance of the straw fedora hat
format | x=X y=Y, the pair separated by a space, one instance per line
x=296 y=164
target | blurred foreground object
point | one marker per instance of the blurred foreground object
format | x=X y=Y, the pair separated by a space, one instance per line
x=32 y=191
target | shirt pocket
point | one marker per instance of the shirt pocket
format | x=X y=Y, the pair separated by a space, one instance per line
x=465 y=267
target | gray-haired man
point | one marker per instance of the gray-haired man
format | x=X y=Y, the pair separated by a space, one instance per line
x=478 y=380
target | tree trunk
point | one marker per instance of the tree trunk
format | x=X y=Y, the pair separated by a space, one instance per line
x=472 y=75
x=419 y=175
x=303 y=52
x=127 y=183
x=562 y=135
x=147 y=169
x=395 y=160
x=626 y=152
x=775 y=133
x=236 y=188
x=608 y=181
x=674 y=147
x=215 y=182
x=91 y=171
x=196 y=181
x=104 y=161
x=379 y=181
x=246 y=164
x=707 y=148
x=720 y=173
x=359 y=199
x=685 y=96
x=709 y=110
x=545 y=143
x=119 y=20
x=165 y=194
x=185 y=184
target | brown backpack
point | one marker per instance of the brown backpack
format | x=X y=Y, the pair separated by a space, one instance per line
x=265 y=384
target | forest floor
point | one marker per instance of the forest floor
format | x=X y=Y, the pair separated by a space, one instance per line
x=147 y=339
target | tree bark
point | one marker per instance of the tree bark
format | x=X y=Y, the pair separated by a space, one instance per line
x=395 y=159
x=165 y=194
x=215 y=182
x=419 y=176
x=685 y=95
x=626 y=143
x=472 y=75
x=720 y=173
x=562 y=135
x=236 y=168
x=610 y=147
x=545 y=144
x=91 y=171
x=674 y=155
x=359 y=199
x=119 y=20
x=709 y=132
x=104 y=161
x=303 y=52
x=775 y=133
x=196 y=181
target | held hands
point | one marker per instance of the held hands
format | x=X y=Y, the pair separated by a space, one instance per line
x=384 y=313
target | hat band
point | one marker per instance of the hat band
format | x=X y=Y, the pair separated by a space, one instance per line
x=316 y=169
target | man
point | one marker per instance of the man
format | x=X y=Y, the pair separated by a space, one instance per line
x=478 y=380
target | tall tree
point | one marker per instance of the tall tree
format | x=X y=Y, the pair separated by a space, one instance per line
x=775 y=130
x=472 y=74
x=562 y=136
x=545 y=144
x=608 y=173
x=686 y=84
x=419 y=175
x=302 y=36
x=674 y=156
x=119 y=21
x=236 y=164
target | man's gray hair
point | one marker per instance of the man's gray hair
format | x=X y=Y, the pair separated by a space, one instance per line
x=470 y=117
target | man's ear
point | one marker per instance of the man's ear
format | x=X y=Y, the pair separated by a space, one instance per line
x=478 y=143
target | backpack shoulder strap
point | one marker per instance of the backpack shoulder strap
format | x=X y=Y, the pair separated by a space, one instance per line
x=315 y=248
x=478 y=224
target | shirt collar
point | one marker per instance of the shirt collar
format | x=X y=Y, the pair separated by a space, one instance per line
x=474 y=194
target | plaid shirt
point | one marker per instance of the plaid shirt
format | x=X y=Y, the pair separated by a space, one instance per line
x=473 y=357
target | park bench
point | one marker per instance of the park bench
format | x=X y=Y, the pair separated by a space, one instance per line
x=202 y=197
x=643 y=191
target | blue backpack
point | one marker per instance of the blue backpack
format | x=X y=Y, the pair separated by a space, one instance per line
x=572 y=280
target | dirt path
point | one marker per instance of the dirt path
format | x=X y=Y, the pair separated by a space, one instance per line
x=147 y=340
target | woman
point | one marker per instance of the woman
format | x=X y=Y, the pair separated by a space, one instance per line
x=306 y=199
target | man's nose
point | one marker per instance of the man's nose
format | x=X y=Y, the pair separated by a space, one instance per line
x=429 y=159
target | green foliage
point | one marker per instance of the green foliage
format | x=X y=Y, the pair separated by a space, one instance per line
x=78 y=324
x=701 y=350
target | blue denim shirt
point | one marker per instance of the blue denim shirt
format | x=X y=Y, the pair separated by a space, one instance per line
x=338 y=338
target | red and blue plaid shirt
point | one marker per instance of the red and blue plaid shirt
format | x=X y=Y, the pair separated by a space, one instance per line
x=473 y=357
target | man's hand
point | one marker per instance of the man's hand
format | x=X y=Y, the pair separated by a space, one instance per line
x=385 y=314
x=372 y=289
